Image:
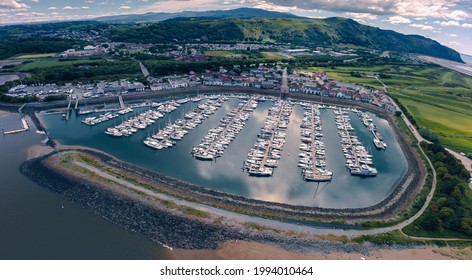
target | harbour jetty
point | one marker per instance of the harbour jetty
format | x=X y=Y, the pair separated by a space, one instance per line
x=218 y=138
x=312 y=150
x=358 y=160
x=167 y=137
x=263 y=157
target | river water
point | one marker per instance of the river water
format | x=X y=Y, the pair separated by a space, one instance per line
x=286 y=186
x=38 y=224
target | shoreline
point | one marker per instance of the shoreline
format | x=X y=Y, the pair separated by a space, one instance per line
x=5 y=113
x=174 y=227
x=203 y=240
x=243 y=250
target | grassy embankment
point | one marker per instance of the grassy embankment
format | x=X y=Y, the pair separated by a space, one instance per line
x=35 y=56
x=69 y=161
x=439 y=99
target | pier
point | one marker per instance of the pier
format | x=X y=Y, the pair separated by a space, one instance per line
x=218 y=138
x=263 y=158
x=313 y=158
x=76 y=103
x=358 y=160
x=24 y=124
x=122 y=104
x=176 y=131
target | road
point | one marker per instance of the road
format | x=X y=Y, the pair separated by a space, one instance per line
x=144 y=70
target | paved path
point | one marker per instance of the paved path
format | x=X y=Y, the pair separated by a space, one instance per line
x=144 y=70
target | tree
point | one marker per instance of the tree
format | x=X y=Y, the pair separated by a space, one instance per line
x=398 y=113
x=429 y=135
x=466 y=225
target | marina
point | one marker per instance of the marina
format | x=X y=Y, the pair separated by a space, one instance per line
x=221 y=167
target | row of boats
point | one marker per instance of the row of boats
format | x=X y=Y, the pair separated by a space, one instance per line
x=176 y=131
x=130 y=126
x=312 y=156
x=358 y=160
x=220 y=137
x=91 y=121
x=368 y=122
x=263 y=158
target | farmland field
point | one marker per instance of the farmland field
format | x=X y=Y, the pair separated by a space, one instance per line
x=227 y=54
x=33 y=56
x=51 y=63
x=439 y=99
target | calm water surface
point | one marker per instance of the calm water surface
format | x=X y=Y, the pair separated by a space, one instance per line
x=38 y=224
x=226 y=173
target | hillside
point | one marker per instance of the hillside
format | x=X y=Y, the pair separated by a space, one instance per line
x=329 y=32
x=241 y=13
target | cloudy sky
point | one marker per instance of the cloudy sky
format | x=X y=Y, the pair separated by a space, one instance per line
x=447 y=21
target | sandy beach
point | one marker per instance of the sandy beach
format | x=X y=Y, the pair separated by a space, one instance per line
x=4 y=113
x=38 y=150
x=242 y=250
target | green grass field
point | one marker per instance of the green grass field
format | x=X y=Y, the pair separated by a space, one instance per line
x=51 y=63
x=33 y=56
x=439 y=99
x=225 y=54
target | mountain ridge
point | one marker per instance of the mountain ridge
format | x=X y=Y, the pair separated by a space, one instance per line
x=329 y=32
x=243 y=13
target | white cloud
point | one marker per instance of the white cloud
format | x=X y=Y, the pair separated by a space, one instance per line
x=75 y=8
x=362 y=16
x=13 y=5
x=446 y=9
x=458 y=15
x=52 y=8
x=71 y=8
x=448 y=23
x=124 y=7
x=422 y=26
x=467 y=25
x=398 y=20
x=454 y=44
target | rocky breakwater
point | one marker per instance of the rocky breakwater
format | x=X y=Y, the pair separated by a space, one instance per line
x=153 y=218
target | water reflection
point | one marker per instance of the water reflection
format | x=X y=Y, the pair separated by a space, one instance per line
x=286 y=186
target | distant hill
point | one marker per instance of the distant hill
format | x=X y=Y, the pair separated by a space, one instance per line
x=241 y=13
x=239 y=25
x=330 y=32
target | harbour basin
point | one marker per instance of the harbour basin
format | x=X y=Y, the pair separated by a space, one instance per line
x=227 y=173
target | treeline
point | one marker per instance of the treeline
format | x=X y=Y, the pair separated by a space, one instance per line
x=450 y=211
x=9 y=48
x=11 y=99
x=208 y=31
x=88 y=71
x=169 y=67
x=405 y=111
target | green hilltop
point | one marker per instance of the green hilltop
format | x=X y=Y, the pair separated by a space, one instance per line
x=330 y=32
